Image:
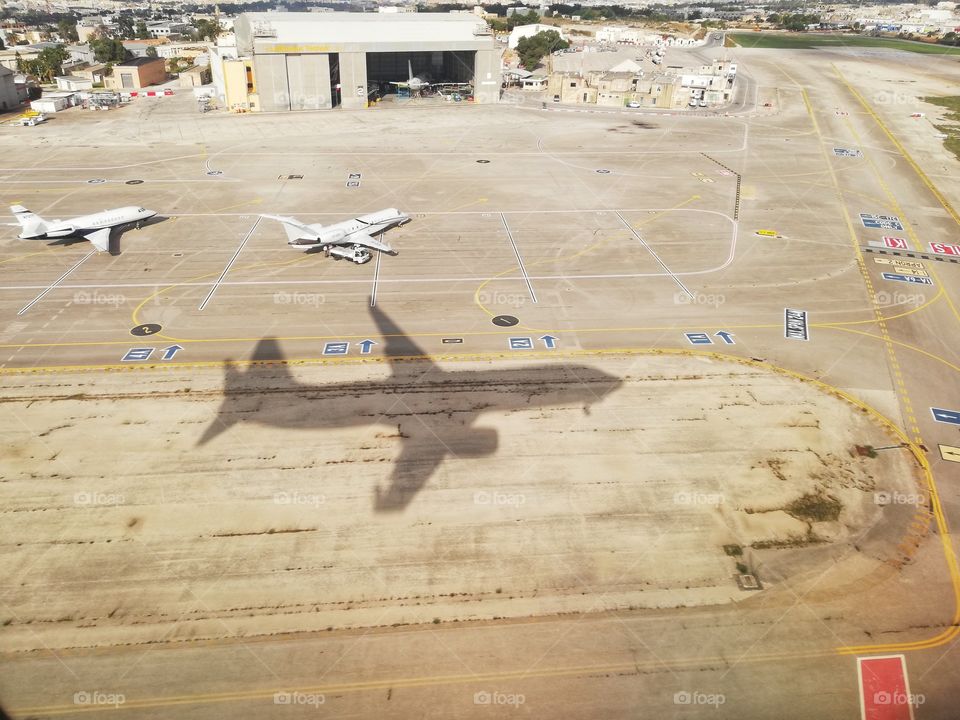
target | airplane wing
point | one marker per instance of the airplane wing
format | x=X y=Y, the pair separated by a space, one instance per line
x=100 y=239
x=361 y=238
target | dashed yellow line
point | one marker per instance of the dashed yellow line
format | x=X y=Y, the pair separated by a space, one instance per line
x=881 y=321
x=915 y=445
x=922 y=175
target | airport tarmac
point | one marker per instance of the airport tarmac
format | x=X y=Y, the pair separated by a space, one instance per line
x=619 y=366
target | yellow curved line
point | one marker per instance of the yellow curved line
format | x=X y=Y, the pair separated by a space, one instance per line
x=22 y=257
x=943 y=637
x=158 y=293
x=908 y=346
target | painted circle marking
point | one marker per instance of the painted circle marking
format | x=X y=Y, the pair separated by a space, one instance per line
x=146 y=329
x=134 y=182
x=603 y=171
x=96 y=181
x=505 y=321
x=483 y=162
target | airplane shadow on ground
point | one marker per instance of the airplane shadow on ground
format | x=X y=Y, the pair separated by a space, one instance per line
x=408 y=404
x=115 y=234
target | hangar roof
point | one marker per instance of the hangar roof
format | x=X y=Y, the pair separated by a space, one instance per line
x=342 y=28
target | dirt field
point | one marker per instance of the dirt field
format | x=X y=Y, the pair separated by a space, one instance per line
x=271 y=509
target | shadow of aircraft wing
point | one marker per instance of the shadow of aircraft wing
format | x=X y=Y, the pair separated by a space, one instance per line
x=423 y=454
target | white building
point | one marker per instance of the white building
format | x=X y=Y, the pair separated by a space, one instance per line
x=522 y=31
x=8 y=90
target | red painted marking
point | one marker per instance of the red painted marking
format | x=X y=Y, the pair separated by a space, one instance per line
x=895 y=242
x=168 y=92
x=884 y=690
x=943 y=249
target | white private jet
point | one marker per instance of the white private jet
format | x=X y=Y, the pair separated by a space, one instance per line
x=349 y=239
x=95 y=228
x=413 y=83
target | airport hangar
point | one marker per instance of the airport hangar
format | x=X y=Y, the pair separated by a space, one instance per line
x=314 y=61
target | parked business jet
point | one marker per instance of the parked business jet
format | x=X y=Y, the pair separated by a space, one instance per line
x=348 y=239
x=95 y=228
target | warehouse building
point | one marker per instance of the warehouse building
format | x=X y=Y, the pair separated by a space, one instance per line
x=312 y=61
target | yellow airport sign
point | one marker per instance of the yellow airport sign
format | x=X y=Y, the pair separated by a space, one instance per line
x=950 y=453
x=899 y=263
x=768 y=233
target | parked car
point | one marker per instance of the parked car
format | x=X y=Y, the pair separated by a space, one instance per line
x=633 y=104
x=703 y=103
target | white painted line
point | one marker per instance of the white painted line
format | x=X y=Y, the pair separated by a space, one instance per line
x=56 y=282
x=376 y=276
x=526 y=278
x=229 y=265
x=655 y=256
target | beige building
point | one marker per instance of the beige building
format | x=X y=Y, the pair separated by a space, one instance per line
x=661 y=91
x=138 y=73
x=194 y=76
x=615 y=88
x=570 y=89
x=239 y=86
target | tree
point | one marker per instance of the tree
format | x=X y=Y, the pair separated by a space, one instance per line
x=2 y=46
x=48 y=64
x=125 y=27
x=532 y=49
x=151 y=51
x=108 y=50
x=67 y=30
x=141 y=32
x=206 y=29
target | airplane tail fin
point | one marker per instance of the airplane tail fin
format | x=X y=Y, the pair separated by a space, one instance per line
x=30 y=224
x=295 y=229
x=409 y=71
x=294 y=232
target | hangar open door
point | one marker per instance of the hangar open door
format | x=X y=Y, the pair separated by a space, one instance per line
x=433 y=72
